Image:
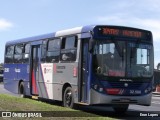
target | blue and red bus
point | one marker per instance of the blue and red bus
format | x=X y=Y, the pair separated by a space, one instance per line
x=91 y=65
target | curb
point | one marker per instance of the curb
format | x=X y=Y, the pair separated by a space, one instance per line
x=156 y=93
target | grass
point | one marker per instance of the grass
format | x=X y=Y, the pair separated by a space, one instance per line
x=11 y=103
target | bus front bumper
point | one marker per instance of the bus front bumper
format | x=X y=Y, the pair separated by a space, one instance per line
x=99 y=98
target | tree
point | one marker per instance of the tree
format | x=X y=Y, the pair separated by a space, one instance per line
x=158 y=66
x=1 y=66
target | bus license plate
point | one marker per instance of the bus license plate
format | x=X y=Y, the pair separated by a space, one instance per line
x=124 y=100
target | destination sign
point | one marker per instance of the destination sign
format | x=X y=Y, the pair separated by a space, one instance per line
x=104 y=31
x=128 y=33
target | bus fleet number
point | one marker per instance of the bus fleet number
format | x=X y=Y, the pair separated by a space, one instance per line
x=135 y=91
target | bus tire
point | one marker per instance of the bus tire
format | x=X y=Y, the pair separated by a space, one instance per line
x=68 y=99
x=122 y=108
x=21 y=90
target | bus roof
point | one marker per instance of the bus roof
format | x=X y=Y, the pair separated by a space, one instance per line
x=72 y=31
x=83 y=29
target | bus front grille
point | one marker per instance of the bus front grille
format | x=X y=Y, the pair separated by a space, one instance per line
x=122 y=85
x=116 y=101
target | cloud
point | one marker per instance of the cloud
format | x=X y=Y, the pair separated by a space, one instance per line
x=142 y=14
x=5 y=24
x=152 y=25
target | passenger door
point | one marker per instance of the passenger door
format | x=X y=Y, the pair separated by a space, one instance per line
x=84 y=71
x=35 y=69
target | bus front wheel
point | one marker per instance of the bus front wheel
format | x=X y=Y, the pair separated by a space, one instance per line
x=21 y=90
x=68 y=99
x=122 y=108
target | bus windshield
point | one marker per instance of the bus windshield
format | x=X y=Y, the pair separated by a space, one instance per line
x=122 y=59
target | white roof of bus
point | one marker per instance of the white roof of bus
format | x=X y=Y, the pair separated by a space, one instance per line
x=68 y=31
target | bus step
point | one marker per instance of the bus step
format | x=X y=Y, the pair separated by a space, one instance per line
x=82 y=103
x=34 y=97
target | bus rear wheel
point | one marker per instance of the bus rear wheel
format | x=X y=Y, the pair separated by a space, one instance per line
x=68 y=100
x=21 y=90
x=122 y=108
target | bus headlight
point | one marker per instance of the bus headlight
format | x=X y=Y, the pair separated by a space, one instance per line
x=148 y=90
x=100 y=89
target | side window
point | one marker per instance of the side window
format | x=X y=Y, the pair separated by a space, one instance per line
x=54 y=45
x=43 y=51
x=53 y=50
x=18 y=53
x=26 y=53
x=69 y=49
x=9 y=54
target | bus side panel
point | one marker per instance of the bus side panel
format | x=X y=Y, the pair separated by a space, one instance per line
x=23 y=75
x=65 y=73
x=45 y=82
x=10 y=77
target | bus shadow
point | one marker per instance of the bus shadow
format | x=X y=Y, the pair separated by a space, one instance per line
x=105 y=111
x=101 y=111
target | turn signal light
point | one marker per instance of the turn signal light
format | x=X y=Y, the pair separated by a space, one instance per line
x=75 y=71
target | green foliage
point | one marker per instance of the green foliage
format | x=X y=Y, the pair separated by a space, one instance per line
x=11 y=103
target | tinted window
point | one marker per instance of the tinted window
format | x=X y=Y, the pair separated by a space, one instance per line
x=70 y=43
x=10 y=50
x=53 y=56
x=69 y=49
x=53 y=52
x=68 y=55
x=27 y=48
x=18 y=49
x=9 y=54
x=18 y=53
x=54 y=45
x=43 y=51
x=26 y=53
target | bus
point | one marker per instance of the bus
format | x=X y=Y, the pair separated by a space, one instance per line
x=89 y=65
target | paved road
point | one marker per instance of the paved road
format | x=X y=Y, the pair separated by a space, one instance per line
x=133 y=111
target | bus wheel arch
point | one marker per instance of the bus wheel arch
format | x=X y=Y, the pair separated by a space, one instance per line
x=67 y=96
x=21 y=89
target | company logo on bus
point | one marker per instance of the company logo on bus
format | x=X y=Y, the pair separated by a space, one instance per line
x=125 y=84
x=126 y=80
x=46 y=70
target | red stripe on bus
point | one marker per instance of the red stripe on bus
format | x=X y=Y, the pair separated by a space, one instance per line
x=33 y=83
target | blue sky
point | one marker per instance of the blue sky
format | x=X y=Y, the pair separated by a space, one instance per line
x=25 y=18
